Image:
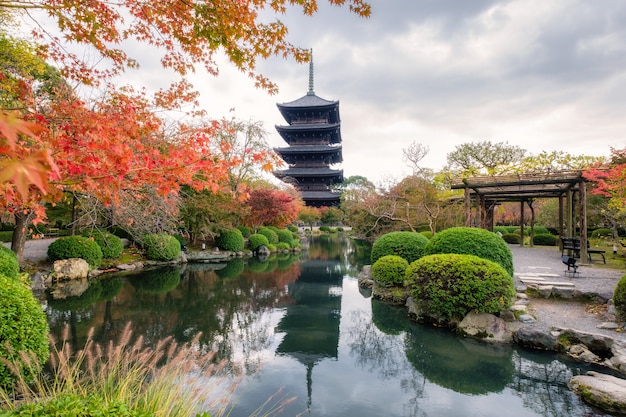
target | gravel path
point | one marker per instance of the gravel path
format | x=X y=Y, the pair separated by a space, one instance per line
x=593 y=279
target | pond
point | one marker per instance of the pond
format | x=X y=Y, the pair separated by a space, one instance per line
x=299 y=326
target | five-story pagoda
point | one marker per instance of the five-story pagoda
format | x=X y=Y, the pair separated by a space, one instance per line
x=314 y=139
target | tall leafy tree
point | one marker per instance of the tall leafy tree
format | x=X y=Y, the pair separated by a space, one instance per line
x=270 y=208
x=185 y=33
x=484 y=158
x=611 y=182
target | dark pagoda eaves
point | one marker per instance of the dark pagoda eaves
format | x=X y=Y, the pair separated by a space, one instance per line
x=309 y=172
x=307 y=101
x=310 y=127
x=309 y=149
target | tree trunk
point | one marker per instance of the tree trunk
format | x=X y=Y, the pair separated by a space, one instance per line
x=18 y=241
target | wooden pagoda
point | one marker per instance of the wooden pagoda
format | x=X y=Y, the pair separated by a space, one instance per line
x=314 y=139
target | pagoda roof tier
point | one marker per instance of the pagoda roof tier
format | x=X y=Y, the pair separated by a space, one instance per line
x=289 y=133
x=309 y=103
x=291 y=153
x=321 y=172
x=321 y=198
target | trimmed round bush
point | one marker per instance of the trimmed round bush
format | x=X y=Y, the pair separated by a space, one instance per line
x=448 y=286
x=293 y=228
x=110 y=245
x=545 y=239
x=407 y=245
x=602 y=232
x=389 y=270
x=427 y=234
x=23 y=325
x=619 y=298
x=245 y=231
x=285 y=235
x=161 y=247
x=255 y=241
x=502 y=229
x=231 y=240
x=76 y=247
x=512 y=238
x=271 y=235
x=539 y=230
x=283 y=246
x=325 y=228
x=9 y=266
x=472 y=241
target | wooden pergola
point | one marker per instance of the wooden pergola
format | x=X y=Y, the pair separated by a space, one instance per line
x=485 y=193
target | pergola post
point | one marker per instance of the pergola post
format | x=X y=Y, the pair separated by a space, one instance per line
x=560 y=229
x=582 y=196
x=479 y=214
x=521 y=208
x=468 y=208
x=569 y=220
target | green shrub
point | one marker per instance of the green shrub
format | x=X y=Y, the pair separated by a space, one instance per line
x=285 y=235
x=231 y=240
x=9 y=266
x=539 y=230
x=68 y=404
x=257 y=240
x=76 y=247
x=448 y=286
x=619 y=298
x=161 y=247
x=389 y=270
x=512 y=238
x=23 y=325
x=293 y=228
x=6 y=227
x=283 y=246
x=427 y=234
x=502 y=229
x=6 y=236
x=602 y=232
x=545 y=239
x=472 y=241
x=324 y=228
x=245 y=231
x=110 y=245
x=407 y=245
x=271 y=235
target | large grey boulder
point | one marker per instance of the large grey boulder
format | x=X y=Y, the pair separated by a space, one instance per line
x=603 y=391
x=536 y=338
x=485 y=327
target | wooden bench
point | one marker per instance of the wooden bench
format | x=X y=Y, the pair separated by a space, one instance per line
x=573 y=244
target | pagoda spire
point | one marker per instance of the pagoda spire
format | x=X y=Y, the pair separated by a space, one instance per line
x=311 y=92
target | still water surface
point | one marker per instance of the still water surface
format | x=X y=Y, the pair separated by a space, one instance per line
x=300 y=325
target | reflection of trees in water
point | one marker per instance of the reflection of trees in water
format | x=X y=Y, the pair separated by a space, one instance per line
x=542 y=382
x=383 y=355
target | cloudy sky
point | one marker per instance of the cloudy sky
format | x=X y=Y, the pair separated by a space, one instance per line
x=543 y=75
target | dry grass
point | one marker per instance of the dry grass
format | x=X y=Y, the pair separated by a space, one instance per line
x=168 y=380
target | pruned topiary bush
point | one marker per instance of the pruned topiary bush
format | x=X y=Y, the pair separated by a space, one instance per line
x=255 y=241
x=9 y=266
x=270 y=234
x=545 y=239
x=76 y=247
x=619 y=298
x=389 y=270
x=231 y=240
x=513 y=238
x=285 y=236
x=602 y=232
x=110 y=245
x=245 y=231
x=448 y=286
x=161 y=247
x=407 y=245
x=472 y=241
x=23 y=326
x=539 y=230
